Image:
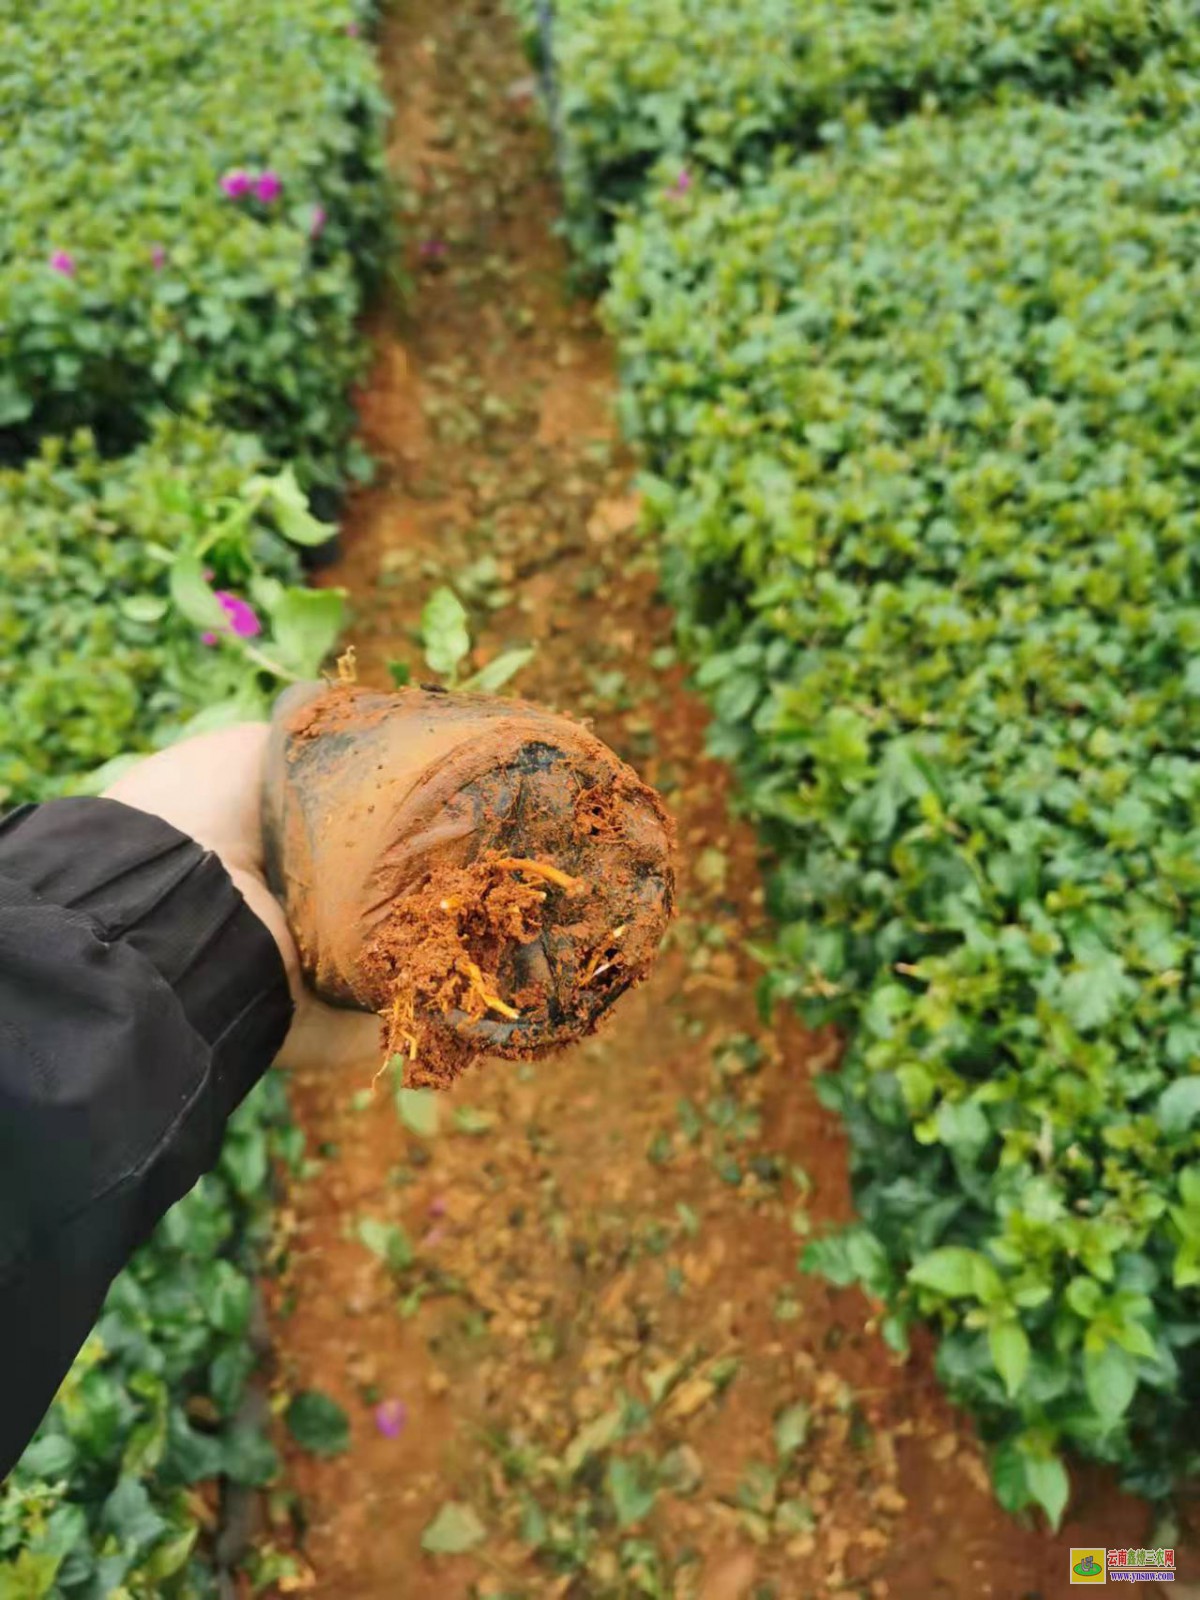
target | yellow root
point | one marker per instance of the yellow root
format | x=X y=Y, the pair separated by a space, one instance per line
x=491 y=1001
x=597 y=963
x=542 y=869
x=399 y=1025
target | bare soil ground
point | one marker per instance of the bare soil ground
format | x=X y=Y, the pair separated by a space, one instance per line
x=601 y=1345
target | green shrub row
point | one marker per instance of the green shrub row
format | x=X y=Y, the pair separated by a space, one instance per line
x=923 y=428
x=193 y=203
x=99 y=1507
x=134 y=272
x=108 y=589
x=104 y=598
x=676 y=87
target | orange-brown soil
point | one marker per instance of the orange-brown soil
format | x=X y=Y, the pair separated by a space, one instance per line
x=486 y=876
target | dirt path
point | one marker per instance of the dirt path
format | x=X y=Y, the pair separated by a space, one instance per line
x=603 y=1299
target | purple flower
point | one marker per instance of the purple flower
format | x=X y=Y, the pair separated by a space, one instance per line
x=236 y=185
x=430 y=248
x=208 y=638
x=390 y=1417
x=63 y=261
x=682 y=183
x=158 y=257
x=243 y=619
x=316 y=226
x=268 y=186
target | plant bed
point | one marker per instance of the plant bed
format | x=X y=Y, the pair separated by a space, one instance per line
x=920 y=425
x=204 y=243
x=658 y=93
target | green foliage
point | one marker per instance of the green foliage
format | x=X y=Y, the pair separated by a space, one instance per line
x=98 y=1504
x=921 y=420
x=668 y=86
x=319 y=1424
x=104 y=599
x=117 y=125
x=455 y=1530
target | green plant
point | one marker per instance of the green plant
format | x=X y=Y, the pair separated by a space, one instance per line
x=99 y=1504
x=104 y=602
x=446 y=643
x=129 y=278
x=921 y=428
x=664 y=91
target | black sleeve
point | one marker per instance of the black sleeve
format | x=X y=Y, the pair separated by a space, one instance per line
x=140 y=1000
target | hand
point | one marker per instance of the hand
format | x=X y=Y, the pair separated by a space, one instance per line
x=210 y=788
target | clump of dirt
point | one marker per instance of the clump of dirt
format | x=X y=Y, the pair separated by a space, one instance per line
x=488 y=877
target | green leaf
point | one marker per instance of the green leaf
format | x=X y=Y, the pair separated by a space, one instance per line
x=143 y=608
x=287 y=503
x=1092 y=995
x=791 y=1429
x=455 y=1530
x=499 y=670
x=1179 y=1106
x=231 y=1299
x=631 y=1490
x=192 y=595
x=31 y=1576
x=1049 y=1486
x=445 y=636
x=957 y=1273
x=1110 y=1377
x=249 y=1457
x=1008 y=1476
x=420 y=1111
x=129 y=1514
x=1009 y=1344
x=49 y=1457
x=388 y=1241
x=305 y=625
x=318 y=1423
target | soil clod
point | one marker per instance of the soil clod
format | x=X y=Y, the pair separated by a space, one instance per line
x=486 y=876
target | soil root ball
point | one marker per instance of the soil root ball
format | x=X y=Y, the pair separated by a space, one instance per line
x=486 y=876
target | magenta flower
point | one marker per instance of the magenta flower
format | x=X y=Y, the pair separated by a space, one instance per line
x=236 y=185
x=243 y=619
x=158 y=257
x=316 y=226
x=268 y=186
x=63 y=261
x=390 y=1417
x=208 y=638
x=682 y=183
x=431 y=248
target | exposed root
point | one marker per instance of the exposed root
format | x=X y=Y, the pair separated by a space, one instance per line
x=604 y=958
x=542 y=869
x=490 y=1001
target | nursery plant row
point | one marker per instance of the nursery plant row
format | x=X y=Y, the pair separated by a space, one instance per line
x=194 y=207
x=907 y=316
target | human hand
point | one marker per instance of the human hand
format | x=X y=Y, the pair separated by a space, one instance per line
x=210 y=788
